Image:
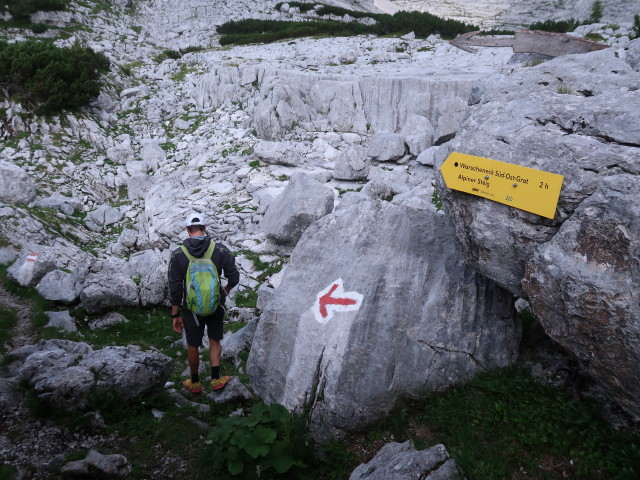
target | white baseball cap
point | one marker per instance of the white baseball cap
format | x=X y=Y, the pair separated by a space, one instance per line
x=195 y=219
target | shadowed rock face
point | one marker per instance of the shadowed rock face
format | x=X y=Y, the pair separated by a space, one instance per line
x=584 y=288
x=587 y=136
x=426 y=321
x=580 y=270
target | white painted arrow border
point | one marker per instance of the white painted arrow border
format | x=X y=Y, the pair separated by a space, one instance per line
x=338 y=293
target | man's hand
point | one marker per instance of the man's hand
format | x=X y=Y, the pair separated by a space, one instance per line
x=178 y=326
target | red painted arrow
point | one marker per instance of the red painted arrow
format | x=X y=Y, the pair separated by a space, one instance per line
x=327 y=299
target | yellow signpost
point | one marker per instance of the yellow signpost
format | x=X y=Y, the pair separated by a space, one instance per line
x=520 y=187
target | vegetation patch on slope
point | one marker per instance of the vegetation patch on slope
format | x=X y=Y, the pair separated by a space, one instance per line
x=50 y=78
x=422 y=24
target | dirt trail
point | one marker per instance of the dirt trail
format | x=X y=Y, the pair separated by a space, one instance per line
x=22 y=333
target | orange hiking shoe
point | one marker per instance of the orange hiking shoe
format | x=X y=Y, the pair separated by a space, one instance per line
x=218 y=383
x=193 y=387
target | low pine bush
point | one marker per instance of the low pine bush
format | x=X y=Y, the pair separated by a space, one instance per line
x=264 y=31
x=22 y=9
x=50 y=78
x=558 y=26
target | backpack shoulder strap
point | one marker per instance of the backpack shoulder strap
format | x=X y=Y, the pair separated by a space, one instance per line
x=190 y=257
x=209 y=253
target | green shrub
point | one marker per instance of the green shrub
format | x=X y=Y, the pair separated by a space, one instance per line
x=49 y=77
x=39 y=27
x=636 y=27
x=558 y=26
x=596 y=12
x=264 y=445
x=22 y=9
x=264 y=31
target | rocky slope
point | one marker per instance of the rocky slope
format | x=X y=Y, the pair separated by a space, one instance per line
x=517 y=13
x=94 y=202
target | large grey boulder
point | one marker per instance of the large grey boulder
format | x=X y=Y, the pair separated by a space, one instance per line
x=64 y=373
x=16 y=186
x=400 y=461
x=121 y=153
x=584 y=286
x=105 y=292
x=415 y=318
x=418 y=134
x=520 y=118
x=153 y=288
x=579 y=269
x=386 y=146
x=302 y=202
x=104 y=215
x=351 y=164
x=30 y=268
x=59 y=286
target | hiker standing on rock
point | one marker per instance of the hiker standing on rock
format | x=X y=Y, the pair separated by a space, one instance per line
x=194 y=284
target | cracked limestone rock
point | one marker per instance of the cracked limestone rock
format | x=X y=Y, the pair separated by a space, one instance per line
x=399 y=461
x=421 y=306
x=64 y=373
x=586 y=135
x=584 y=287
x=16 y=186
x=302 y=202
x=96 y=464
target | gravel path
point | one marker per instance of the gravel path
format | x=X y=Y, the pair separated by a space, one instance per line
x=22 y=333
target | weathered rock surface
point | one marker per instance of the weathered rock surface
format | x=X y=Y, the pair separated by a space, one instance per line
x=584 y=286
x=521 y=118
x=386 y=146
x=107 y=321
x=303 y=201
x=574 y=278
x=15 y=184
x=61 y=320
x=64 y=373
x=351 y=164
x=104 y=466
x=30 y=268
x=59 y=286
x=421 y=306
x=399 y=461
x=103 y=292
x=234 y=391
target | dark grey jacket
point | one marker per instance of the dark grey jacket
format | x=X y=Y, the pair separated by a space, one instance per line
x=222 y=258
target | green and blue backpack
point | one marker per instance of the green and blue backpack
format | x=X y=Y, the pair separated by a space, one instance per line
x=203 y=283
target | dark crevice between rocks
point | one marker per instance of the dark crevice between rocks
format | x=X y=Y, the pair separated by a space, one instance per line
x=477 y=362
x=584 y=125
x=317 y=390
x=444 y=139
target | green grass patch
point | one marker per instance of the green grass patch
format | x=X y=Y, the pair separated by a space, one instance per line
x=8 y=320
x=596 y=37
x=505 y=421
x=558 y=26
x=247 y=299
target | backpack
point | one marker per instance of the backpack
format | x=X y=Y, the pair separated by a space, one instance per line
x=203 y=283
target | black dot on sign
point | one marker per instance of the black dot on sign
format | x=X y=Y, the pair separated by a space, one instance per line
x=455 y=164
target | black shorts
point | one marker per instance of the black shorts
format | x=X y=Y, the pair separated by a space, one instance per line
x=195 y=332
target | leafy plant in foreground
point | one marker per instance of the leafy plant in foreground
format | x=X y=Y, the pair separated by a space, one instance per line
x=269 y=443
